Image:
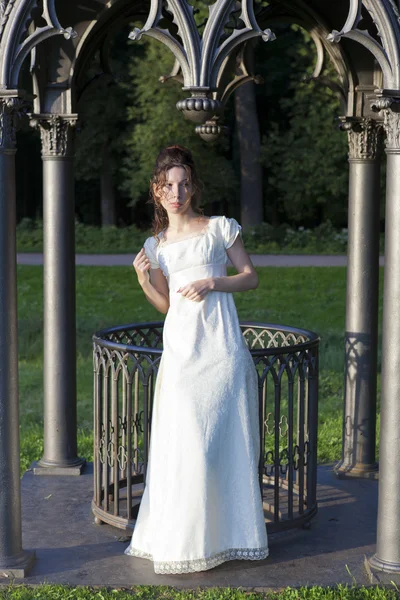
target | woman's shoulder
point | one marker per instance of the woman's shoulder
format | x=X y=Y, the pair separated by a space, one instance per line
x=218 y=219
x=222 y=218
x=152 y=242
x=222 y=221
x=228 y=229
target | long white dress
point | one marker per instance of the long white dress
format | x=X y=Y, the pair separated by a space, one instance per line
x=201 y=505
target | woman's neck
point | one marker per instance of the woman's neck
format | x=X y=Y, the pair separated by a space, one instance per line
x=181 y=223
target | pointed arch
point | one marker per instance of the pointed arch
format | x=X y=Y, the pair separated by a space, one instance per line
x=17 y=38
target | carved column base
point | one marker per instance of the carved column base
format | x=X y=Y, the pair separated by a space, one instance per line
x=45 y=467
x=359 y=470
x=382 y=572
x=17 y=567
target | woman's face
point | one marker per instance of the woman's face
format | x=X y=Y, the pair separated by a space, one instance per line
x=177 y=191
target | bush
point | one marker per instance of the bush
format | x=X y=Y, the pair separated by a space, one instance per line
x=324 y=239
x=261 y=239
x=88 y=239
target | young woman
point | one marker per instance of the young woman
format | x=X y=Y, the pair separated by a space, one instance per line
x=201 y=505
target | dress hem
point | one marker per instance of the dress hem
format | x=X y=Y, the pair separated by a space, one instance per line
x=200 y=564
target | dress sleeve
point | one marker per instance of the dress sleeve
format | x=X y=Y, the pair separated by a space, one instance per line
x=150 y=249
x=230 y=230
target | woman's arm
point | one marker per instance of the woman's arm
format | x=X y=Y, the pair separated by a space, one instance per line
x=153 y=282
x=246 y=278
x=156 y=290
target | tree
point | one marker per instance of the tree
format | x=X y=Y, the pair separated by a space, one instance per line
x=248 y=133
x=302 y=147
x=97 y=144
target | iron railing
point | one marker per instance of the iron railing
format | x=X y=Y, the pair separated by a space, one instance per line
x=126 y=360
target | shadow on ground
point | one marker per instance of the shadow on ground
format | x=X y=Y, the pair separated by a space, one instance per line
x=70 y=548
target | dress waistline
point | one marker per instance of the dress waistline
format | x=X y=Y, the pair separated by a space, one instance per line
x=180 y=278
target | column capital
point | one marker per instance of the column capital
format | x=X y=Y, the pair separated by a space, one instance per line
x=389 y=107
x=56 y=132
x=12 y=107
x=365 y=137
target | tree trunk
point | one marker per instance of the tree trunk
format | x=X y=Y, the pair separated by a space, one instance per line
x=107 y=191
x=248 y=130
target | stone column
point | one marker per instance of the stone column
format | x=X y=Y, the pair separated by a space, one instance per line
x=14 y=561
x=60 y=428
x=359 y=420
x=387 y=557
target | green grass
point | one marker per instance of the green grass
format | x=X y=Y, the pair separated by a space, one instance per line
x=145 y=592
x=312 y=298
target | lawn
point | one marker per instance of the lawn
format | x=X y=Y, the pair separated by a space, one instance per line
x=163 y=592
x=313 y=298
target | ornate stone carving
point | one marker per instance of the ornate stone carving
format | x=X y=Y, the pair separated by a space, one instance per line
x=386 y=59
x=381 y=103
x=353 y=18
x=365 y=138
x=11 y=109
x=395 y=10
x=210 y=130
x=199 y=107
x=203 y=57
x=392 y=129
x=390 y=110
x=5 y=10
x=56 y=132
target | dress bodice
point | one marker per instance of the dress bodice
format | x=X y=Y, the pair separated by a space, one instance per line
x=205 y=248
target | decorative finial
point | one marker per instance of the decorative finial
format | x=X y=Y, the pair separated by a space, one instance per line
x=268 y=35
x=334 y=36
x=135 y=34
x=69 y=33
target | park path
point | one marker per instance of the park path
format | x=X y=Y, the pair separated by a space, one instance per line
x=259 y=260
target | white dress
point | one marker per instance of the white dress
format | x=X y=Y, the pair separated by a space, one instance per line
x=201 y=505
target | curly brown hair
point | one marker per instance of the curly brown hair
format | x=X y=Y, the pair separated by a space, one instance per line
x=169 y=157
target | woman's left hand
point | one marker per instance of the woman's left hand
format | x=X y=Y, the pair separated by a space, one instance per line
x=196 y=290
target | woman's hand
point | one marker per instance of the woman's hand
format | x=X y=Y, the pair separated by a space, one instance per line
x=197 y=290
x=142 y=266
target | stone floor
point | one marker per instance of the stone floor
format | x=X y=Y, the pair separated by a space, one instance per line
x=70 y=548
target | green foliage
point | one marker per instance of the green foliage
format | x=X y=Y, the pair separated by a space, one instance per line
x=261 y=239
x=164 y=592
x=88 y=239
x=305 y=153
x=101 y=116
x=323 y=239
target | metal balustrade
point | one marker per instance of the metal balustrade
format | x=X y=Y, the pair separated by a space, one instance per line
x=126 y=360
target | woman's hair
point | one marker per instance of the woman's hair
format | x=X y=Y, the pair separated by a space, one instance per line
x=169 y=157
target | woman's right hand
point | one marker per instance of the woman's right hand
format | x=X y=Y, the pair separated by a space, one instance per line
x=142 y=266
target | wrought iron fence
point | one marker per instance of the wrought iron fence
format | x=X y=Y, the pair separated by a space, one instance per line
x=126 y=362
